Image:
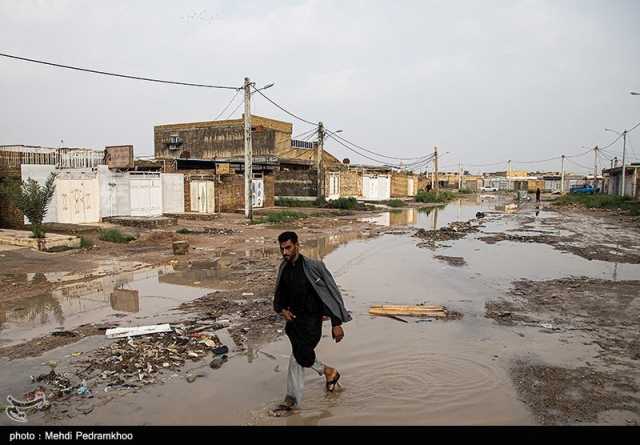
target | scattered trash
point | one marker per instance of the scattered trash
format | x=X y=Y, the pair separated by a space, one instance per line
x=192 y=378
x=247 y=294
x=84 y=389
x=480 y=215
x=217 y=362
x=64 y=334
x=546 y=325
x=76 y=354
x=221 y=350
x=180 y=247
x=424 y=320
x=277 y=368
x=135 y=331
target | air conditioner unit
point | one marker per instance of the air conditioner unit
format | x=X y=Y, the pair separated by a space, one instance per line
x=175 y=142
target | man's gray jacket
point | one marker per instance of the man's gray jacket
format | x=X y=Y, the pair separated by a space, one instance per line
x=324 y=285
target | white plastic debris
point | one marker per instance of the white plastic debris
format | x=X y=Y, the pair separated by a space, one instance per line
x=137 y=330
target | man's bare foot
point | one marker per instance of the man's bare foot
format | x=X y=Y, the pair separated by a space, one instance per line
x=332 y=375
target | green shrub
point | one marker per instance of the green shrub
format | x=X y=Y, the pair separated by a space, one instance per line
x=287 y=202
x=600 y=201
x=115 y=236
x=396 y=203
x=432 y=196
x=85 y=243
x=343 y=203
x=465 y=191
x=32 y=199
x=279 y=217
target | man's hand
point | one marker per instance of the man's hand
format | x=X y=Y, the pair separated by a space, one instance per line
x=337 y=333
x=287 y=315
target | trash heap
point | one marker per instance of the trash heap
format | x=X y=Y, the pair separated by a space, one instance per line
x=452 y=231
x=136 y=361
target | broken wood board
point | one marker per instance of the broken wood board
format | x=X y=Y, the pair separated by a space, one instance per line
x=416 y=311
x=137 y=330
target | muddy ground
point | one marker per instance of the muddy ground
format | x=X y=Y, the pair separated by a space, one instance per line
x=240 y=262
x=600 y=312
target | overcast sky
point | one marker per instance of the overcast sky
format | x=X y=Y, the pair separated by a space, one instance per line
x=484 y=80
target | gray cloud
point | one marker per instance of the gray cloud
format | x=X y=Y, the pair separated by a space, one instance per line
x=486 y=81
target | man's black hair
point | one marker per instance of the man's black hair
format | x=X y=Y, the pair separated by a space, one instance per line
x=288 y=236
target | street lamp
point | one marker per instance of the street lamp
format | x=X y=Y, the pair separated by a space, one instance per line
x=624 y=156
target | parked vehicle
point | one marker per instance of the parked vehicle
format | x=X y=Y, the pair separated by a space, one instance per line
x=488 y=189
x=585 y=188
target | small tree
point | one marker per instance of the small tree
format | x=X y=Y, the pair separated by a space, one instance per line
x=32 y=200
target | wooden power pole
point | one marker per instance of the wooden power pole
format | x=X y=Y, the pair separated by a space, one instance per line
x=248 y=151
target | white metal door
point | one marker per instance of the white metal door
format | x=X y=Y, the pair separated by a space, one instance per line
x=172 y=192
x=202 y=196
x=411 y=188
x=146 y=195
x=334 y=186
x=78 y=201
x=257 y=192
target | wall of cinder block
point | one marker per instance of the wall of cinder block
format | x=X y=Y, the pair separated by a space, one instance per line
x=296 y=183
x=230 y=192
x=351 y=183
x=399 y=185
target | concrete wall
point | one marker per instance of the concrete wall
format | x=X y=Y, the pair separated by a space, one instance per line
x=303 y=183
x=220 y=139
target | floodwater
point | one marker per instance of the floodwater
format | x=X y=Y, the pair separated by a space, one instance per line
x=421 y=372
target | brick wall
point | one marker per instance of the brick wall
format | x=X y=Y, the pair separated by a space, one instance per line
x=230 y=192
x=399 y=185
x=350 y=183
x=296 y=183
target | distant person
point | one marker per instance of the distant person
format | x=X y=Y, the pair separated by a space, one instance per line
x=305 y=295
x=538 y=195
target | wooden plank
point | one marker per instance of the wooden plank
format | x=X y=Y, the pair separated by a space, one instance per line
x=407 y=307
x=408 y=312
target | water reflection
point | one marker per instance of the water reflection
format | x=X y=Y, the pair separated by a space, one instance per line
x=125 y=300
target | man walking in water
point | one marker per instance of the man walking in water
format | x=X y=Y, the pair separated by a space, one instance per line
x=305 y=295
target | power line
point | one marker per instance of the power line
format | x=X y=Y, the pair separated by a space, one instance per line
x=125 y=76
x=357 y=152
x=284 y=109
x=375 y=153
x=228 y=105
x=235 y=109
x=578 y=164
x=304 y=133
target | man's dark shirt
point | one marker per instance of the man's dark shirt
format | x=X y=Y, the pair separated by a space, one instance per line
x=296 y=293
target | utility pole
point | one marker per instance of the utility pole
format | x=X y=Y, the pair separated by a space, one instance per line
x=509 y=168
x=624 y=158
x=562 y=177
x=436 y=185
x=248 y=151
x=319 y=152
x=595 y=167
x=460 y=176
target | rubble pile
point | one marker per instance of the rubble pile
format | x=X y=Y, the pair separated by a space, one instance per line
x=452 y=231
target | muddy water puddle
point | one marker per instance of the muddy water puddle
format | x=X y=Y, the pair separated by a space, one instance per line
x=127 y=297
x=437 y=372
